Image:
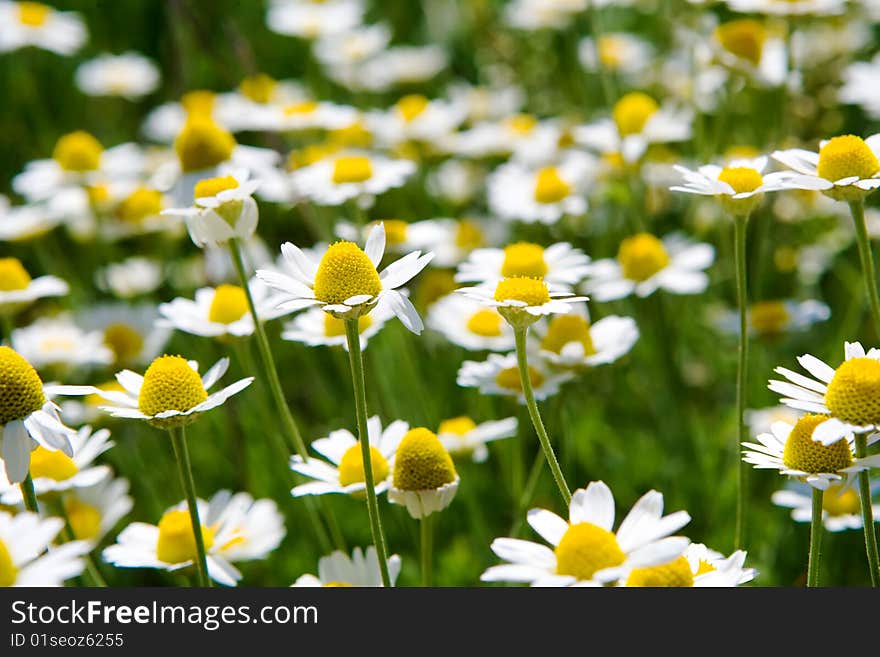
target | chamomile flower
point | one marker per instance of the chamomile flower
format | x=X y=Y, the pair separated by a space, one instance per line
x=399 y=65
x=256 y=526
x=35 y=24
x=54 y=471
x=25 y=557
x=18 y=290
x=456 y=180
x=572 y=341
x=697 y=567
x=310 y=115
x=317 y=328
x=619 y=52
x=848 y=393
x=361 y=570
x=22 y=223
x=499 y=375
x=403 y=236
x=789 y=7
x=759 y=420
x=343 y=469
x=748 y=47
x=310 y=19
x=470 y=324
x=794 y=451
x=130 y=75
x=130 y=331
x=416 y=118
x=27 y=417
x=539 y=14
x=646 y=263
x=586 y=551
x=130 y=278
x=774 y=317
x=344 y=51
x=522 y=300
x=846 y=168
x=461 y=436
x=346 y=282
x=486 y=103
x=57 y=342
x=423 y=478
x=860 y=83
x=559 y=264
x=350 y=175
x=841 y=508
x=94 y=511
x=526 y=139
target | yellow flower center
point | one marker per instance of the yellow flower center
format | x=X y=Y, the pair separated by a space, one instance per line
x=212 y=186
x=351 y=467
x=13 y=275
x=355 y=135
x=139 y=205
x=564 y=329
x=258 y=88
x=310 y=154
x=550 y=187
x=352 y=169
x=531 y=291
x=98 y=194
x=742 y=179
x=808 y=455
x=486 y=323
x=395 y=231
x=704 y=567
x=202 y=143
x=837 y=503
x=125 y=341
x=846 y=156
x=422 y=463
x=509 y=379
x=335 y=327
x=769 y=317
x=21 y=390
x=611 y=50
x=468 y=235
x=632 y=112
x=8 y=571
x=585 y=549
x=741 y=153
x=55 y=465
x=642 y=256
x=522 y=124
x=337 y=585
x=85 y=520
x=744 y=38
x=524 y=259
x=177 y=540
x=412 y=106
x=301 y=108
x=199 y=102
x=33 y=14
x=459 y=426
x=78 y=151
x=228 y=305
x=674 y=573
x=854 y=392
x=345 y=271
x=170 y=384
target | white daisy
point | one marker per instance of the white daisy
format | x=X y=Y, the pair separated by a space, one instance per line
x=24 y=559
x=462 y=436
x=346 y=282
x=470 y=324
x=456 y=181
x=23 y=223
x=775 y=317
x=558 y=264
x=403 y=236
x=571 y=340
x=748 y=47
x=585 y=549
x=317 y=328
x=645 y=263
x=310 y=20
x=351 y=175
x=256 y=526
x=35 y=24
x=310 y=115
x=415 y=118
x=346 y=50
x=399 y=65
x=361 y=570
x=130 y=278
x=343 y=469
x=499 y=375
x=534 y=15
x=522 y=136
x=486 y=103
x=789 y=7
x=697 y=567
x=130 y=331
x=760 y=420
x=424 y=479
x=841 y=508
x=522 y=300
x=94 y=511
x=57 y=342
x=18 y=289
x=621 y=52
x=130 y=75
x=861 y=80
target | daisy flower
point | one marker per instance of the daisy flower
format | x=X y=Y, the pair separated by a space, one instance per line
x=18 y=289
x=311 y=20
x=257 y=526
x=35 y=24
x=776 y=317
x=94 y=511
x=522 y=136
x=456 y=181
x=130 y=75
x=620 y=52
x=469 y=324
x=346 y=282
x=130 y=278
x=350 y=175
x=841 y=508
x=559 y=264
x=860 y=83
x=499 y=375
x=399 y=65
x=56 y=342
x=25 y=557
x=572 y=341
x=846 y=167
x=361 y=570
x=794 y=451
x=789 y=7
x=346 y=50
x=646 y=263
x=761 y=419
x=317 y=328
x=23 y=223
x=343 y=469
x=585 y=550
x=697 y=567
x=522 y=300
x=423 y=477
x=461 y=436
x=402 y=236
x=130 y=331
x=416 y=118
x=534 y=15
x=847 y=394
x=486 y=103
x=746 y=46
x=310 y=115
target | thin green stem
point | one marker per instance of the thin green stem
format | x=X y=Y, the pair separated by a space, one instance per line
x=427 y=549
x=815 y=540
x=740 y=226
x=868 y=512
x=181 y=454
x=29 y=495
x=857 y=208
x=526 y=381
x=356 y=361
x=8 y=327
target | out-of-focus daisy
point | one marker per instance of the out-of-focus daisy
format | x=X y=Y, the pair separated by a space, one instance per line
x=748 y=47
x=646 y=263
x=572 y=341
x=761 y=419
x=586 y=551
x=789 y=7
x=343 y=469
x=775 y=317
x=35 y=24
x=486 y=103
x=841 y=509
x=848 y=393
x=130 y=278
x=22 y=223
x=361 y=570
x=539 y=14
x=793 y=450
x=423 y=477
x=346 y=283
x=461 y=436
x=499 y=375
x=310 y=115
x=860 y=83
x=558 y=264
x=416 y=118
x=57 y=342
x=469 y=324
x=344 y=51
x=523 y=136
x=317 y=328
x=24 y=559
x=456 y=181
x=130 y=75
x=522 y=300
x=846 y=168
x=94 y=511
x=18 y=289
x=398 y=66
x=311 y=19
x=618 y=52
x=352 y=175
x=130 y=331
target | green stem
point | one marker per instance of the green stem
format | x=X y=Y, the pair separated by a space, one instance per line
x=526 y=381
x=740 y=226
x=868 y=512
x=815 y=540
x=8 y=327
x=181 y=453
x=857 y=208
x=29 y=495
x=356 y=361
x=427 y=550
x=91 y=568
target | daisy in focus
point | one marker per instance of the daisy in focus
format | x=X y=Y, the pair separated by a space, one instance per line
x=361 y=569
x=316 y=328
x=423 y=476
x=130 y=75
x=18 y=290
x=24 y=559
x=350 y=175
x=586 y=551
x=572 y=341
x=461 y=436
x=470 y=324
x=841 y=508
x=697 y=567
x=35 y=24
x=499 y=375
x=558 y=264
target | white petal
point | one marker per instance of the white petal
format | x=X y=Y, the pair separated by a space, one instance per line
x=375 y=246
x=548 y=525
x=594 y=505
x=16 y=451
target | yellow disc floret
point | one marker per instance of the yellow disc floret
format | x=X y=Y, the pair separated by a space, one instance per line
x=140 y=204
x=422 y=463
x=550 y=187
x=78 y=151
x=838 y=502
x=203 y=144
x=21 y=390
x=854 y=392
x=808 y=455
x=522 y=124
x=458 y=426
x=351 y=466
x=33 y=14
x=769 y=317
x=13 y=275
x=847 y=156
x=8 y=571
x=84 y=519
x=642 y=256
x=565 y=329
x=468 y=235
x=485 y=323
x=52 y=464
x=199 y=102
x=345 y=271
x=742 y=179
x=744 y=38
x=258 y=88
x=334 y=327
x=170 y=384
x=177 y=540
x=611 y=50
x=508 y=379
x=213 y=186
x=672 y=574
x=228 y=305
x=352 y=169
x=524 y=259
x=585 y=549
x=632 y=112
x=410 y=107
x=531 y=291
